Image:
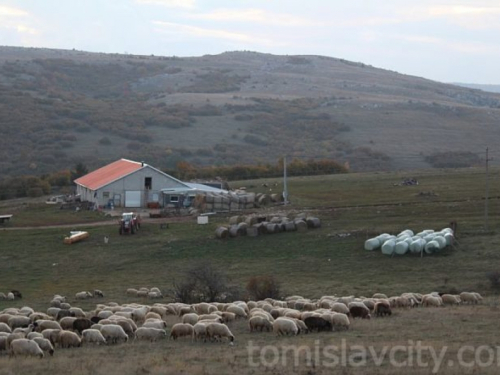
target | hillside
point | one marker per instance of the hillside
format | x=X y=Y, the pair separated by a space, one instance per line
x=60 y=107
x=488 y=88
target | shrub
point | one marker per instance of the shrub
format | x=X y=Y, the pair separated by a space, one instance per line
x=262 y=287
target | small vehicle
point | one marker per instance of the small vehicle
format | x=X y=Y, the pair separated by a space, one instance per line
x=129 y=223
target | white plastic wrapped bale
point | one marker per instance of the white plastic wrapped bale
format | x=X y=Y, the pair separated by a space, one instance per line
x=449 y=239
x=447 y=230
x=388 y=247
x=384 y=237
x=417 y=246
x=441 y=241
x=431 y=247
x=407 y=232
x=401 y=248
x=372 y=244
x=429 y=237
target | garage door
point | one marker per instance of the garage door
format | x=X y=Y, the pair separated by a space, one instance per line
x=132 y=199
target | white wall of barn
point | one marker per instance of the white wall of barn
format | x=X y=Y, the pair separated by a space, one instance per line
x=134 y=182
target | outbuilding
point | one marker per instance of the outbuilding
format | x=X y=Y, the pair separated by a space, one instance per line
x=127 y=183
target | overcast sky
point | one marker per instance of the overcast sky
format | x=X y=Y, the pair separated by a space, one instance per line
x=444 y=40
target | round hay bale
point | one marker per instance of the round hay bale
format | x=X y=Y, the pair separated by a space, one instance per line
x=263 y=199
x=234 y=231
x=233 y=220
x=290 y=226
x=272 y=228
x=275 y=197
x=221 y=232
x=251 y=220
x=372 y=244
x=313 y=222
x=301 y=225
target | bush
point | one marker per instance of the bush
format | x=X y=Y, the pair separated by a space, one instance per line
x=202 y=283
x=494 y=278
x=262 y=287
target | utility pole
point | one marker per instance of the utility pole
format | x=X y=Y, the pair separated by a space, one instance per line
x=487 y=193
x=285 y=188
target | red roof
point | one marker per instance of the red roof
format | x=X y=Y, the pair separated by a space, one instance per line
x=109 y=173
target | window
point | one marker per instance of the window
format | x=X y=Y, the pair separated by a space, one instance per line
x=105 y=194
x=148 y=183
x=174 y=198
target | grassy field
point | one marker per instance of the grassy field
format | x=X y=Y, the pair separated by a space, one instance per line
x=324 y=261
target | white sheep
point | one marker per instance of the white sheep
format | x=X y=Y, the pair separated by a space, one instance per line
x=114 y=333
x=53 y=311
x=469 y=298
x=52 y=335
x=42 y=325
x=93 y=336
x=25 y=347
x=33 y=335
x=155 y=323
x=191 y=318
x=77 y=312
x=68 y=339
x=450 y=299
x=152 y=315
x=5 y=328
x=44 y=344
x=285 y=326
x=3 y=342
x=83 y=295
x=66 y=323
x=132 y=292
x=10 y=296
x=237 y=310
x=432 y=301
x=181 y=330
x=340 y=308
x=218 y=330
x=259 y=323
x=340 y=321
x=2 y=296
x=19 y=321
x=151 y=334
x=104 y=314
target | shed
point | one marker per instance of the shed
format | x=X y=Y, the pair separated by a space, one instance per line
x=126 y=183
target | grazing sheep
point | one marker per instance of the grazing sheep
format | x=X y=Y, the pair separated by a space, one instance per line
x=259 y=323
x=478 y=297
x=4 y=318
x=155 y=323
x=5 y=328
x=62 y=313
x=113 y=333
x=301 y=326
x=340 y=321
x=93 y=336
x=317 y=323
x=379 y=296
x=98 y=293
x=95 y=319
x=151 y=334
x=142 y=293
x=26 y=311
x=432 y=301
x=39 y=316
x=238 y=311
x=340 y=308
x=68 y=339
x=182 y=330
x=24 y=331
x=81 y=324
x=382 y=308
x=65 y=306
x=44 y=344
x=10 y=297
x=359 y=312
x=285 y=326
x=152 y=315
x=52 y=335
x=83 y=295
x=105 y=314
x=76 y=312
x=67 y=322
x=186 y=310
x=228 y=317
x=19 y=321
x=139 y=315
x=132 y=292
x=468 y=298
x=14 y=336
x=450 y=299
x=2 y=296
x=369 y=303
x=33 y=335
x=218 y=330
x=25 y=347
x=190 y=318
x=42 y=325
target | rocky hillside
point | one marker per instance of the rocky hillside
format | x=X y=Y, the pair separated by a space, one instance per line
x=61 y=107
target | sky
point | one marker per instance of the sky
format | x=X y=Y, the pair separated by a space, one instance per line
x=443 y=40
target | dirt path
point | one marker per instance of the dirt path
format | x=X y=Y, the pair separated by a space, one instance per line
x=102 y=223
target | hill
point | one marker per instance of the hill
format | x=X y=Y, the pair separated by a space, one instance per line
x=488 y=88
x=61 y=107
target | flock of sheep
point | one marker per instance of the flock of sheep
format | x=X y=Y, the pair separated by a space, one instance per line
x=25 y=332
x=10 y=296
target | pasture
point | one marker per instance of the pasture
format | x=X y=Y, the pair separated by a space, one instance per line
x=325 y=261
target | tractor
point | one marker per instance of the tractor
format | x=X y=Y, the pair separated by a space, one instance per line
x=129 y=223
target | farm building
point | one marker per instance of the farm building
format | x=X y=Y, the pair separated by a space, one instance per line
x=127 y=183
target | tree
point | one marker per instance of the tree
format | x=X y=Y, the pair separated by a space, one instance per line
x=79 y=171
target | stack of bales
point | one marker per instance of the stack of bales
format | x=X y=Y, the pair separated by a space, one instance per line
x=232 y=201
x=407 y=242
x=253 y=225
